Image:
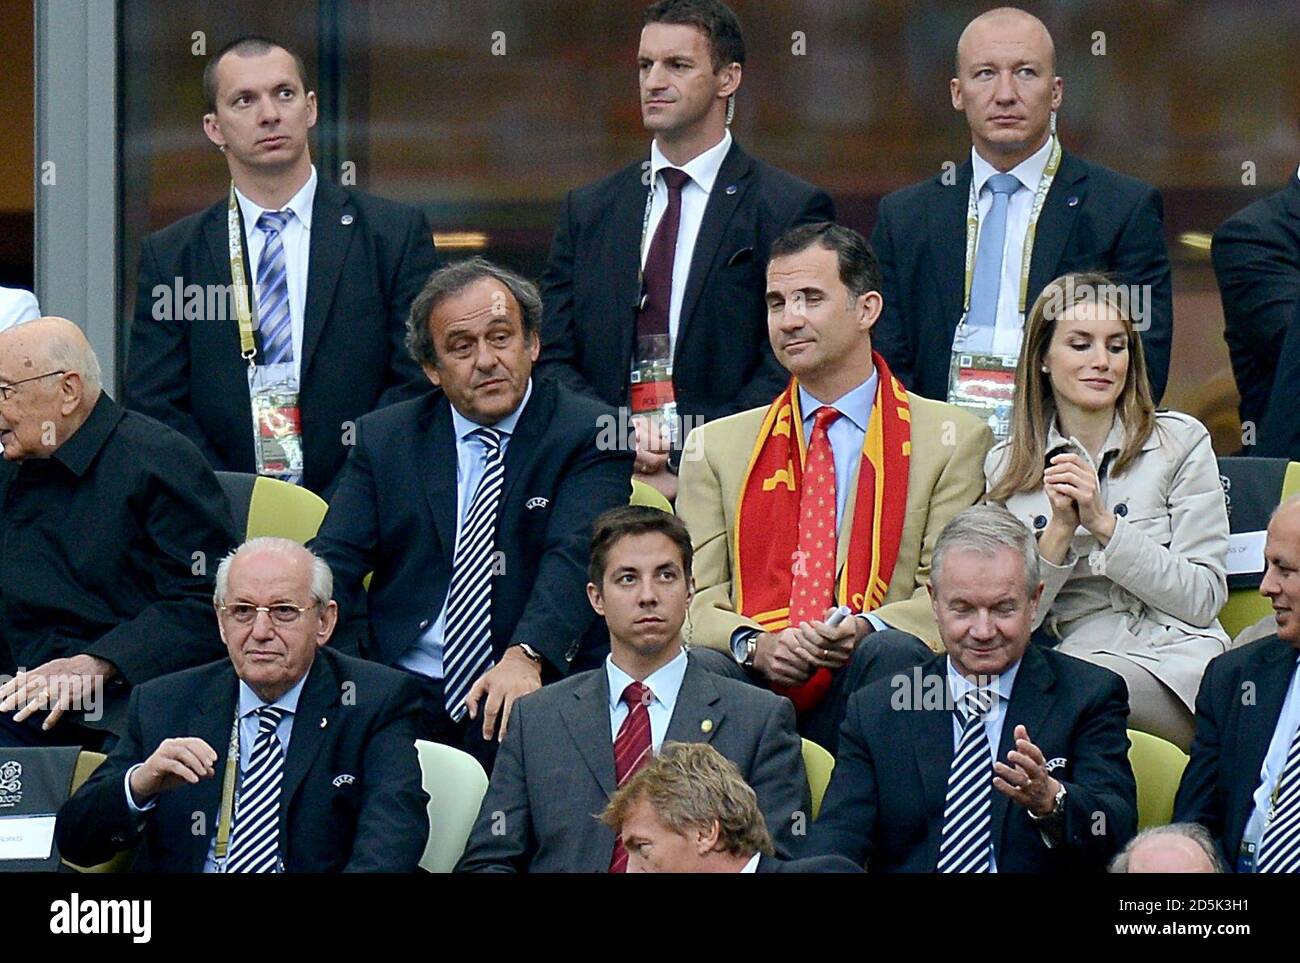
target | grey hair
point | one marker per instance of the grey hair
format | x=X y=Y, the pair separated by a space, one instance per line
x=69 y=354
x=987 y=529
x=451 y=280
x=1193 y=831
x=322 y=579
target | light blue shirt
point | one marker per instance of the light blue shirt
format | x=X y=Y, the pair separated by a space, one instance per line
x=249 y=703
x=1274 y=761
x=425 y=654
x=664 y=685
x=959 y=685
x=845 y=434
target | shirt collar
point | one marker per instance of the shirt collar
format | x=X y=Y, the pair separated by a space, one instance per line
x=464 y=427
x=752 y=865
x=301 y=204
x=1114 y=438
x=664 y=682
x=250 y=701
x=85 y=443
x=959 y=685
x=854 y=405
x=702 y=169
x=1029 y=171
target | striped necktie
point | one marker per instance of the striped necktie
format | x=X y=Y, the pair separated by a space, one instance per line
x=273 y=321
x=631 y=750
x=966 y=846
x=987 y=280
x=1279 y=846
x=255 y=831
x=467 y=640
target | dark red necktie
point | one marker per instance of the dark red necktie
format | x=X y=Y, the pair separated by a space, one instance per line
x=813 y=586
x=631 y=751
x=657 y=277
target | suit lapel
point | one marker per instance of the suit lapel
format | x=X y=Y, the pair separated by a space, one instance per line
x=722 y=204
x=1056 y=221
x=524 y=440
x=698 y=713
x=932 y=740
x=586 y=717
x=215 y=716
x=1272 y=680
x=436 y=453
x=947 y=227
x=311 y=721
x=330 y=239
x=625 y=261
x=1030 y=704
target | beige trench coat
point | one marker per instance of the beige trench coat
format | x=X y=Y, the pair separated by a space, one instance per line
x=1153 y=594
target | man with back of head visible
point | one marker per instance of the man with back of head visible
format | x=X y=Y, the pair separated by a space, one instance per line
x=1243 y=780
x=832 y=495
x=472 y=507
x=996 y=756
x=573 y=744
x=689 y=811
x=1176 y=848
x=297 y=758
x=109 y=526
x=953 y=251
x=330 y=274
x=654 y=300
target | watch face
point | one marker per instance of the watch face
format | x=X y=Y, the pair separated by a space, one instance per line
x=740 y=649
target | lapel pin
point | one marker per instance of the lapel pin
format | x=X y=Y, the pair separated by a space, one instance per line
x=731 y=188
x=1073 y=201
x=345 y=219
x=324 y=722
x=706 y=725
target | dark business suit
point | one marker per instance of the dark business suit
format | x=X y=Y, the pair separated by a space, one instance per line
x=394 y=512
x=1256 y=255
x=722 y=360
x=555 y=771
x=813 y=864
x=1237 y=709
x=353 y=719
x=1093 y=219
x=884 y=806
x=368 y=259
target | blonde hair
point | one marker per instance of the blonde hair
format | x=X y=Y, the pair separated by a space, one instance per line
x=1034 y=404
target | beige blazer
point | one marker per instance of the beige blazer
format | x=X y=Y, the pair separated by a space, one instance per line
x=1153 y=594
x=944 y=476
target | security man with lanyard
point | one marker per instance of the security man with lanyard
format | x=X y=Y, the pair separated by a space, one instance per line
x=964 y=253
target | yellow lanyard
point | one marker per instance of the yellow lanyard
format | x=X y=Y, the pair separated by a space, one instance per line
x=973 y=226
x=243 y=303
x=226 y=813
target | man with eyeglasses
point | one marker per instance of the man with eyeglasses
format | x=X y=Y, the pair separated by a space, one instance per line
x=297 y=758
x=110 y=523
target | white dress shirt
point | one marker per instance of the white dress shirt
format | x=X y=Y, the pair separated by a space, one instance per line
x=296 y=238
x=664 y=684
x=1010 y=326
x=703 y=171
x=1274 y=761
x=17 y=306
x=752 y=865
x=425 y=654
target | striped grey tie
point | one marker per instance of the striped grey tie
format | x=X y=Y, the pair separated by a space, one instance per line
x=1279 y=846
x=255 y=831
x=273 y=290
x=467 y=639
x=966 y=846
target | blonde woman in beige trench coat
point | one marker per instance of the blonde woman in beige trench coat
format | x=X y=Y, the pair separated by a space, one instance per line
x=1125 y=502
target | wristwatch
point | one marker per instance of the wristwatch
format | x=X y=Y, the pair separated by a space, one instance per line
x=743 y=648
x=532 y=653
x=1058 y=807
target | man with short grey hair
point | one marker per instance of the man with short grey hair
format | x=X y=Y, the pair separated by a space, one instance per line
x=472 y=506
x=110 y=524
x=1022 y=750
x=321 y=773
x=1176 y=848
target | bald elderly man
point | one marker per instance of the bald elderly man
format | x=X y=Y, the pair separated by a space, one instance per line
x=111 y=525
x=945 y=293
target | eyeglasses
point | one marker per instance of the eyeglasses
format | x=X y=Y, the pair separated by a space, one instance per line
x=7 y=390
x=281 y=614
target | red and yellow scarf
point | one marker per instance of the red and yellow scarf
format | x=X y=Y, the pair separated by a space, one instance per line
x=767 y=519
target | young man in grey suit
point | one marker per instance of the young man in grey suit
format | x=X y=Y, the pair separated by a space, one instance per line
x=572 y=744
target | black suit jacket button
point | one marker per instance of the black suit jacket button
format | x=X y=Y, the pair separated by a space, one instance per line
x=1040 y=521
x=1121 y=509
x=424 y=624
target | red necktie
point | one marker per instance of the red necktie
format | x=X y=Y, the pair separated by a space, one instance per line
x=812 y=589
x=657 y=277
x=631 y=750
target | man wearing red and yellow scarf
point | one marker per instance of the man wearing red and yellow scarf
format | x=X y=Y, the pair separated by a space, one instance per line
x=830 y=497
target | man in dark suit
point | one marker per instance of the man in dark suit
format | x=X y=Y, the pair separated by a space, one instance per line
x=657 y=302
x=1256 y=255
x=1241 y=782
x=330 y=272
x=322 y=775
x=473 y=507
x=688 y=810
x=574 y=743
x=916 y=787
x=1091 y=219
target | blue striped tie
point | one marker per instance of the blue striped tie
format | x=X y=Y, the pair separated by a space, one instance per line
x=966 y=846
x=1279 y=846
x=273 y=319
x=987 y=280
x=255 y=831
x=467 y=640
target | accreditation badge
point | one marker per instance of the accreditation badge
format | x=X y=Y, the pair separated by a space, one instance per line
x=982 y=382
x=277 y=421
x=653 y=395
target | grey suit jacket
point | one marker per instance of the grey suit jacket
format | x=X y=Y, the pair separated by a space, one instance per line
x=555 y=770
